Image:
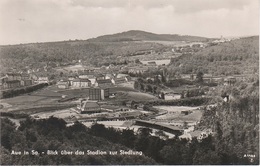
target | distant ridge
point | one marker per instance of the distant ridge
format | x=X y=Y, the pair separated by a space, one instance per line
x=137 y=35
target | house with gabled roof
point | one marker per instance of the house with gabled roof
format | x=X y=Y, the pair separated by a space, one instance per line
x=118 y=80
x=109 y=76
x=43 y=79
x=85 y=83
x=81 y=83
x=25 y=76
x=63 y=84
x=3 y=80
x=13 y=76
x=11 y=84
x=26 y=82
x=92 y=79
x=105 y=82
x=100 y=76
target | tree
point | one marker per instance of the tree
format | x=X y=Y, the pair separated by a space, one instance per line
x=144 y=132
x=61 y=74
x=185 y=125
x=136 y=85
x=137 y=61
x=149 y=88
x=162 y=96
x=128 y=138
x=199 y=77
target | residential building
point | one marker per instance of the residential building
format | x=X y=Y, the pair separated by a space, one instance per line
x=118 y=80
x=43 y=79
x=3 y=80
x=25 y=76
x=83 y=76
x=70 y=79
x=151 y=63
x=131 y=104
x=126 y=76
x=92 y=79
x=81 y=83
x=85 y=83
x=13 y=76
x=105 y=82
x=230 y=81
x=137 y=70
x=100 y=77
x=26 y=82
x=11 y=84
x=190 y=77
x=109 y=76
x=63 y=84
x=198 y=134
x=34 y=77
x=76 y=83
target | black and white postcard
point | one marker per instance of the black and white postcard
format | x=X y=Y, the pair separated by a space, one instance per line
x=129 y=82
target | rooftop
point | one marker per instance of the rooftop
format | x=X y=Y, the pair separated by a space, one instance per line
x=91 y=105
x=195 y=133
x=13 y=74
x=85 y=80
x=12 y=81
x=104 y=81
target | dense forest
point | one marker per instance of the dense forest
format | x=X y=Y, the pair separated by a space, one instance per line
x=52 y=134
x=239 y=56
x=15 y=92
x=236 y=122
x=228 y=145
x=92 y=53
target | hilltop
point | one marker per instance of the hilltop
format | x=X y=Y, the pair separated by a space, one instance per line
x=99 y=51
x=137 y=35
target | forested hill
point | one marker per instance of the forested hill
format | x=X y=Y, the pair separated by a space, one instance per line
x=136 y=35
x=240 y=56
x=52 y=134
x=37 y=55
x=236 y=122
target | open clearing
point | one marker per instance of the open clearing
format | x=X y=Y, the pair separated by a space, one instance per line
x=23 y=99
x=174 y=113
x=158 y=62
x=66 y=113
x=122 y=88
x=137 y=96
x=176 y=108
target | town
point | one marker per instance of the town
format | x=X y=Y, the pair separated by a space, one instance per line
x=116 y=95
x=171 y=91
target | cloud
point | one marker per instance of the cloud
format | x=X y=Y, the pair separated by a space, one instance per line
x=181 y=6
x=52 y=20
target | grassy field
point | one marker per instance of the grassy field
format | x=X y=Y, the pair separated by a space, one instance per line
x=23 y=99
x=33 y=109
x=46 y=92
x=174 y=113
x=72 y=67
x=64 y=114
x=158 y=62
x=76 y=92
x=136 y=96
x=176 y=109
x=122 y=88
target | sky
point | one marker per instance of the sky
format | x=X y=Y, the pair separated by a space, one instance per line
x=29 y=21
